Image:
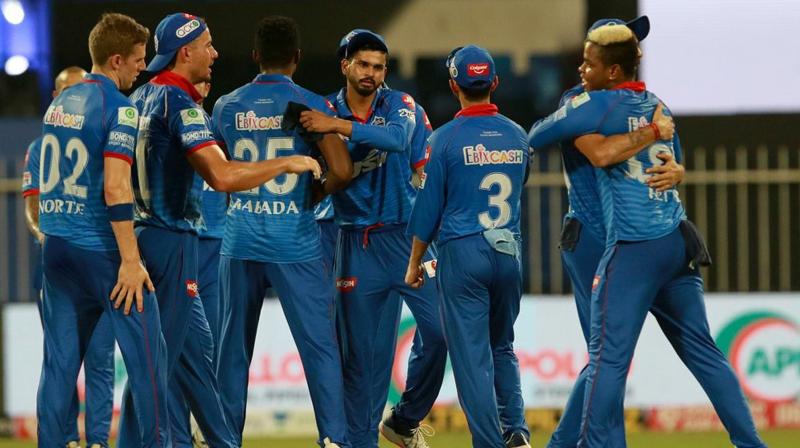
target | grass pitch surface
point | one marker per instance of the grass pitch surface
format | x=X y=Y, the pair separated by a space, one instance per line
x=773 y=438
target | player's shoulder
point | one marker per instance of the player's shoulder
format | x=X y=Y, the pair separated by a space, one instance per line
x=444 y=133
x=397 y=98
x=570 y=93
x=316 y=100
x=512 y=126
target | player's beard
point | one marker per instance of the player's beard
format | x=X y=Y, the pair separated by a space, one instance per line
x=362 y=89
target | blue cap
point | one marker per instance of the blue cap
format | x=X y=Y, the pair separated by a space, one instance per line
x=640 y=26
x=354 y=40
x=172 y=33
x=471 y=66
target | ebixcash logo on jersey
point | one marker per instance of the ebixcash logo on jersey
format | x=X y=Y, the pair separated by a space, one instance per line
x=479 y=155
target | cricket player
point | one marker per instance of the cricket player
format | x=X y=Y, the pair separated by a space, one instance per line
x=271 y=238
x=372 y=213
x=99 y=357
x=90 y=250
x=175 y=140
x=469 y=202
x=651 y=252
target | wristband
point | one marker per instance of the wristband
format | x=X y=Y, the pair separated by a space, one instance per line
x=656 y=131
x=120 y=212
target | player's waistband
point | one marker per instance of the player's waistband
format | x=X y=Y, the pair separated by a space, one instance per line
x=374 y=228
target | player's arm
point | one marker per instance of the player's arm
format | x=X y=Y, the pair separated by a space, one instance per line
x=229 y=176
x=426 y=215
x=604 y=150
x=579 y=116
x=30 y=191
x=132 y=275
x=337 y=158
x=393 y=137
x=670 y=173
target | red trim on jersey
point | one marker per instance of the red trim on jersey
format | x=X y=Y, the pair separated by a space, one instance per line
x=420 y=164
x=30 y=192
x=636 y=86
x=119 y=156
x=363 y=120
x=478 y=110
x=221 y=144
x=200 y=146
x=170 y=78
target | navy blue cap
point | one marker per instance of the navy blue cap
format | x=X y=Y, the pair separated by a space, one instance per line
x=471 y=66
x=640 y=26
x=172 y=33
x=354 y=40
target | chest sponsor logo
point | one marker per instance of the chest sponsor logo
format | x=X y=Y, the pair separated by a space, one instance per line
x=249 y=121
x=477 y=69
x=128 y=116
x=346 y=284
x=375 y=159
x=192 y=116
x=55 y=116
x=479 y=155
x=378 y=121
x=191 y=288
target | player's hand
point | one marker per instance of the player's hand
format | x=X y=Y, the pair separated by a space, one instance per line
x=301 y=164
x=40 y=237
x=666 y=175
x=665 y=123
x=414 y=275
x=316 y=121
x=130 y=280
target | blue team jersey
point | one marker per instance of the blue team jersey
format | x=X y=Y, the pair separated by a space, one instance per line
x=86 y=123
x=214 y=207
x=172 y=126
x=417 y=155
x=273 y=222
x=632 y=211
x=380 y=146
x=474 y=178
x=30 y=173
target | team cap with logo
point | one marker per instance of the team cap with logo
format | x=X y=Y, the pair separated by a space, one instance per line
x=172 y=33
x=354 y=40
x=471 y=67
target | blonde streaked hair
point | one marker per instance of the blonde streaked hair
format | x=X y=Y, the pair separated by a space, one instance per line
x=618 y=45
x=610 y=34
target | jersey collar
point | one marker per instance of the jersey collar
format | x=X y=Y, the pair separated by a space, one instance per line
x=170 y=78
x=272 y=79
x=478 y=110
x=636 y=86
x=100 y=79
x=344 y=110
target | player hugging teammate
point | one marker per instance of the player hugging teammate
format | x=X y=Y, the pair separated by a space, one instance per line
x=129 y=195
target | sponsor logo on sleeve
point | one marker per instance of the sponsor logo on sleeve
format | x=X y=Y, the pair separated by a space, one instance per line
x=191 y=288
x=27 y=180
x=580 y=100
x=409 y=102
x=408 y=113
x=346 y=284
x=561 y=113
x=121 y=139
x=192 y=116
x=477 y=69
x=128 y=116
x=479 y=155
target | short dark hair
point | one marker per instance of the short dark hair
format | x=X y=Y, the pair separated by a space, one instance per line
x=277 y=41
x=626 y=54
x=367 y=46
x=476 y=93
x=115 y=34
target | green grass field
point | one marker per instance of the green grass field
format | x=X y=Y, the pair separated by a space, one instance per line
x=773 y=438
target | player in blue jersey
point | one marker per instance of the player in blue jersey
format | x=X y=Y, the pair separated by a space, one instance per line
x=175 y=140
x=372 y=213
x=271 y=238
x=90 y=250
x=652 y=252
x=99 y=358
x=469 y=202
x=324 y=212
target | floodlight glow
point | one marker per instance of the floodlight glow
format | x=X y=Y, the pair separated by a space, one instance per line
x=16 y=65
x=13 y=11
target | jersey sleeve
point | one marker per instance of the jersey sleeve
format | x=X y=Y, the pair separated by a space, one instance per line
x=427 y=212
x=30 y=173
x=419 y=146
x=323 y=105
x=190 y=123
x=123 y=126
x=216 y=122
x=581 y=115
x=396 y=135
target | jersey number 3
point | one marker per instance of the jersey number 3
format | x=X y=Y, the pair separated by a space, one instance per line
x=499 y=200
